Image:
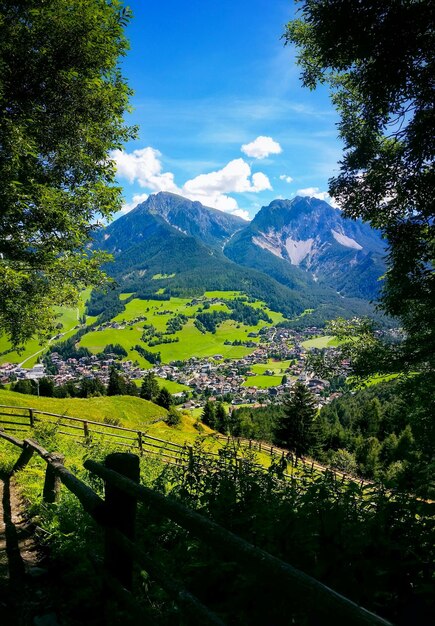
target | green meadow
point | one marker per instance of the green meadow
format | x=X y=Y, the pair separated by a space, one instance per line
x=326 y=341
x=262 y=382
x=68 y=317
x=132 y=412
x=191 y=342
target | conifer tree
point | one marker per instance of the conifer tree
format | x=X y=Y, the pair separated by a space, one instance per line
x=150 y=386
x=295 y=428
x=164 y=398
x=208 y=414
x=116 y=386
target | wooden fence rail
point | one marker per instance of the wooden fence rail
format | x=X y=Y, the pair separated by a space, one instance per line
x=169 y=451
x=117 y=514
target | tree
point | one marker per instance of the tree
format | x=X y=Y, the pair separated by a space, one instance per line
x=117 y=385
x=23 y=386
x=384 y=94
x=174 y=417
x=150 y=387
x=91 y=387
x=381 y=71
x=221 y=418
x=164 y=398
x=62 y=102
x=46 y=387
x=208 y=414
x=295 y=428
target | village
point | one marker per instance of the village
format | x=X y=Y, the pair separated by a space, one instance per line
x=204 y=378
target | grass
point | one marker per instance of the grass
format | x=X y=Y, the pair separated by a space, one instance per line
x=263 y=382
x=191 y=341
x=130 y=411
x=67 y=316
x=157 y=312
x=326 y=341
x=277 y=367
x=171 y=385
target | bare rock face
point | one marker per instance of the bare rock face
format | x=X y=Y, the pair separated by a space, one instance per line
x=310 y=234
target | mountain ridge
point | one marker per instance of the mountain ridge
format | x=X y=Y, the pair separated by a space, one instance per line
x=175 y=246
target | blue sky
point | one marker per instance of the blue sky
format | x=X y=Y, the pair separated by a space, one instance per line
x=222 y=115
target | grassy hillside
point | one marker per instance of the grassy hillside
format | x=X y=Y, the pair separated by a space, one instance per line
x=130 y=411
x=68 y=319
x=191 y=342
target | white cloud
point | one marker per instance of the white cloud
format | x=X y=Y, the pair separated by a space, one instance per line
x=242 y=213
x=234 y=177
x=145 y=167
x=314 y=192
x=288 y=179
x=261 y=147
x=137 y=199
x=211 y=189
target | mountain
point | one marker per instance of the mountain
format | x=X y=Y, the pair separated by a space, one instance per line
x=173 y=246
x=210 y=226
x=289 y=238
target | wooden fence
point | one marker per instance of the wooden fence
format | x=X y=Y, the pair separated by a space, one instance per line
x=21 y=418
x=116 y=514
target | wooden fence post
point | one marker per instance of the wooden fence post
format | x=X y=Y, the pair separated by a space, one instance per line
x=31 y=418
x=190 y=454
x=140 y=442
x=52 y=481
x=23 y=459
x=86 y=430
x=121 y=514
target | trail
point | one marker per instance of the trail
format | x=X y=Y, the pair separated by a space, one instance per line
x=24 y=585
x=48 y=342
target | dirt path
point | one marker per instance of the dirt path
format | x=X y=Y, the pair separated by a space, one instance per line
x=24 y=584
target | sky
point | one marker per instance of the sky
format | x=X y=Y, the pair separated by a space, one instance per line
x=221 y=112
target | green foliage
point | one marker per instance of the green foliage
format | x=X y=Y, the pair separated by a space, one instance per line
x=164 y=398
x=174 y=417
x=151 y=357
x=150 y=387
x=343 y=534
x=119 y=386
x=116 y=349
x=62 y=103
x=381 y=90
x=295 y=430
x=208 y=414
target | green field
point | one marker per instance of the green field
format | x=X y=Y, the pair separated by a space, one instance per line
x=68 y=317
x=261 y=381
x=191 y=341
x=171 y=385
x=326 y=341
x=157 y=312
x=132 y=412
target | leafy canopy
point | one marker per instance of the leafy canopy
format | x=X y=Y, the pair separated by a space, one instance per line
x=62 y=102
x=377 y=57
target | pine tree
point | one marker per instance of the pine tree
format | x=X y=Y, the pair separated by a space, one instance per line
x=150 y=387
x=116 y=386
x=295 y=428
x=164 y=398
x=221 y=418
x=208 y=414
